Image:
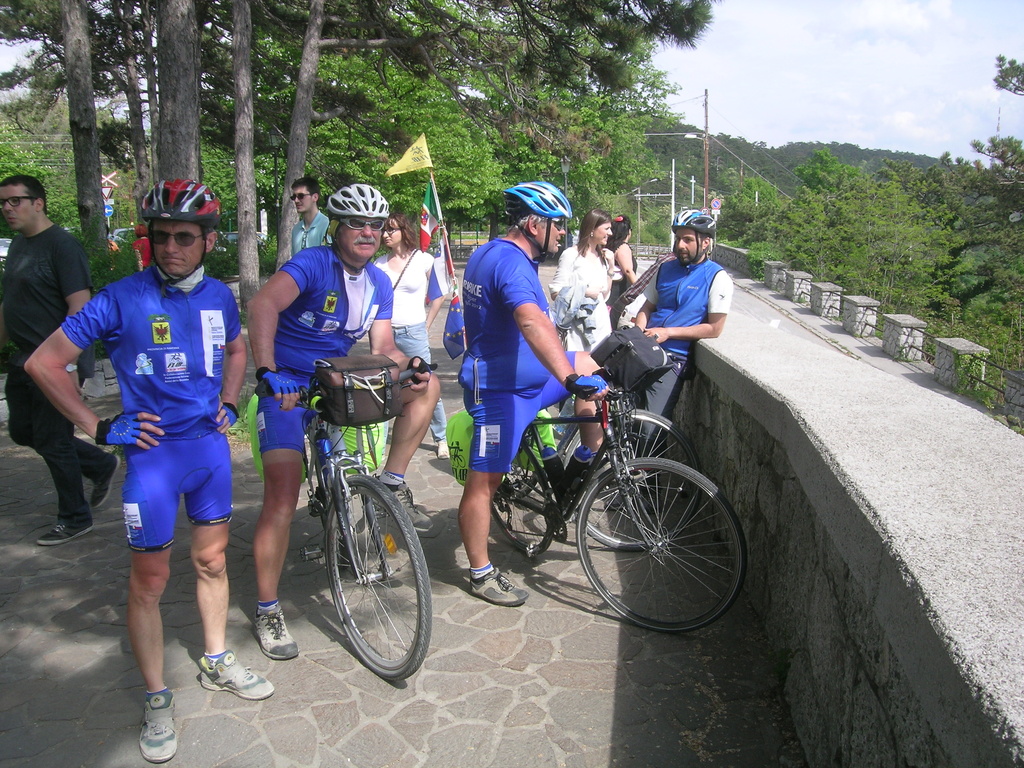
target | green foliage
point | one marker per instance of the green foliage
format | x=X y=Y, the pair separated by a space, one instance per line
x=823 y=172
x=758 y=254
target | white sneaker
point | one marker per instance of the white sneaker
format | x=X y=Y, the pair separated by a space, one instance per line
x=442 y=449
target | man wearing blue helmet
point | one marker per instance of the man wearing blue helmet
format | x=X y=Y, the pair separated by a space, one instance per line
x=514 y=365
x=689 y=299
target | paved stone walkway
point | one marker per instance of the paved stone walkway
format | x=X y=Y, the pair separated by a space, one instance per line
x=558 y=682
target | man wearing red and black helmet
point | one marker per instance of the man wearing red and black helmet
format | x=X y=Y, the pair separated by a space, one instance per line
x=174 y=338
x=688 y=300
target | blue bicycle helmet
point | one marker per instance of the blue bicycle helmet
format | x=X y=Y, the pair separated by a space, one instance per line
x=698 y=221
x=540 y=197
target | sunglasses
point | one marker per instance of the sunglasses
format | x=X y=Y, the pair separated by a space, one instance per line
x=357 y=224
x=559 y=223
x=15 y=200
x=299 y=196
x=184 y=239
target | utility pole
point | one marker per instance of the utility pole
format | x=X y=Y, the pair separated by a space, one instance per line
x=707 y=144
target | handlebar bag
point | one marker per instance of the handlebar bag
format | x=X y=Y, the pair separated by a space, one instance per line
x=358 y=390
x=632 y=360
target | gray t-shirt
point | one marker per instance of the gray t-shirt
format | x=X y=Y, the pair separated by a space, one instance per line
x=40 y=273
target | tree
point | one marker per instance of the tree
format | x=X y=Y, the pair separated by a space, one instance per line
x=245 y=172
x=78 y=68
x=179 y=66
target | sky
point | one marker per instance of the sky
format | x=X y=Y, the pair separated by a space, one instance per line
x=907 y=75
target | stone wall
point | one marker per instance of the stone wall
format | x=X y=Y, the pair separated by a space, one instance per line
x=885 y=526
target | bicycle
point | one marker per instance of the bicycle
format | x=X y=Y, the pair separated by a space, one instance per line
x=658 y=541
x=375 y=565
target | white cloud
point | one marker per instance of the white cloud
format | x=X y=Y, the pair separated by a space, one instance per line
x=901 y=74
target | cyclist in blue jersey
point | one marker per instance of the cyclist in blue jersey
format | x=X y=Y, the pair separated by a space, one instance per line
x=688 y=300
x=514 y=365
x=317 y=306
x=175 y=340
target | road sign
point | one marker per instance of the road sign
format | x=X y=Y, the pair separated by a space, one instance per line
x=706 y=211
x=108 y=210
x=108 y=192
x=108 y=180
x=716 y=204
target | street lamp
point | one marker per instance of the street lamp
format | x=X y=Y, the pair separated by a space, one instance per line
x=565 y=175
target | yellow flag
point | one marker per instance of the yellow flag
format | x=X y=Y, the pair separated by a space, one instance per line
x=417 y=156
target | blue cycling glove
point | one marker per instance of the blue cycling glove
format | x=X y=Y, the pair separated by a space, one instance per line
x=279 y=385
x=120 y=430
x=585 y=386
x=231 y=411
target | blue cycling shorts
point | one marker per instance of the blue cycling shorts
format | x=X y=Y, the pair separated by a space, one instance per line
x=199 y=469
x=282 y=429
x=501 y=418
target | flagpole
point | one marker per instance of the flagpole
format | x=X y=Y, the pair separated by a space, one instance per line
x=449 y=263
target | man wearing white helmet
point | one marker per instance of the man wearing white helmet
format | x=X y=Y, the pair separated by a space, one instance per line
x=317 y=306
x=688 y=300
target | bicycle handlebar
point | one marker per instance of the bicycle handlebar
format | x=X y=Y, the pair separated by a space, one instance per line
x=309 y=396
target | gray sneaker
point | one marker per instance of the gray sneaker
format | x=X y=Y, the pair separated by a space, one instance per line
x=62 y=534
x=495 y=588
x=102 y=487
x=228 y=675
x=158 y=742
x=420 y=521
x=275 y=640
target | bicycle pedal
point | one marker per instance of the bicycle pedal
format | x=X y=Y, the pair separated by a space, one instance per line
x=312 y=553
x=561 y=534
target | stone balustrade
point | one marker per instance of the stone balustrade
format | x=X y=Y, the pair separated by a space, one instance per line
x=825 y=300
x=884 y=532
x=798 y=286
x=953 y=363
x=903 y=337
x=775 y=276
x=860 y=315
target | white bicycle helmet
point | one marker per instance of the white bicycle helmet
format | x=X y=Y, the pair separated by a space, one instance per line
x=358 y=200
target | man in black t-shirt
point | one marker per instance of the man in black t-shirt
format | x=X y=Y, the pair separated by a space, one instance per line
x=46 y=278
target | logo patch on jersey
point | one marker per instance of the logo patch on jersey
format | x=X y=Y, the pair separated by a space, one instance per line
x=307 y=318
x=330 y=326
x=331 y=302
x=161 y=327
x=174 y=362
x=143 y=364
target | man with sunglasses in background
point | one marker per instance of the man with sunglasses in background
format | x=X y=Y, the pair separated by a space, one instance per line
x=311 y=228
x=318 y=305
x=175 y=341
x=46 y=279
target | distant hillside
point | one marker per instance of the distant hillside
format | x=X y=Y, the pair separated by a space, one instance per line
x=732 y=158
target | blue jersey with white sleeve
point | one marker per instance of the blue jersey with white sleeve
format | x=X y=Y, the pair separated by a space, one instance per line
x=167 y=347
x=320 y=322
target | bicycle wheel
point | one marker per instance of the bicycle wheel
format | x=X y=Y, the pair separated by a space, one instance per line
x=661 y=544
x=520 y=509
x=380 y=584
x=646 y=434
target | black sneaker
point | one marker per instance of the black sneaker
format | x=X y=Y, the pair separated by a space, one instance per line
x=102 y=487
x=61 y=534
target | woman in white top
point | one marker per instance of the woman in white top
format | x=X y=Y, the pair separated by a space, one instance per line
x=409 y=269
x=582 y=283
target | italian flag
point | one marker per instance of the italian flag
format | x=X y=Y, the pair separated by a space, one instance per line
x=429 y=217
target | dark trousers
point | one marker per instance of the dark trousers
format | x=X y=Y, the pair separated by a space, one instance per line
x=34 y=422
x=661 y=396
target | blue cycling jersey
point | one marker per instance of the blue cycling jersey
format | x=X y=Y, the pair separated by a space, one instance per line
x=167 y=347
x=499 y=278
x=317 y=323
x=682 y=299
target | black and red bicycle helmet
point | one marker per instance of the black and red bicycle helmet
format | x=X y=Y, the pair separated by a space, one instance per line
x=182 y=200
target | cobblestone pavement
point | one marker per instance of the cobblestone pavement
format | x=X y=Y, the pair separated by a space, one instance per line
x=558 y=682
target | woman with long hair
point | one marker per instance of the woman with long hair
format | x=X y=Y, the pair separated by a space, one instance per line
x=409 y=269
x=582 y=283
x=625 y=261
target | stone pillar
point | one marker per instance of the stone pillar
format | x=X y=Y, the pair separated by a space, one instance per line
x=860 y=315
x=1014 y=395
x=798 y=287
x=825 y=299
x=956 y=361
x=903 y=337
x=775 y=275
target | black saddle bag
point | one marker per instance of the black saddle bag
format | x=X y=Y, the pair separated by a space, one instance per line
x=632 y=360
x=359 y=390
